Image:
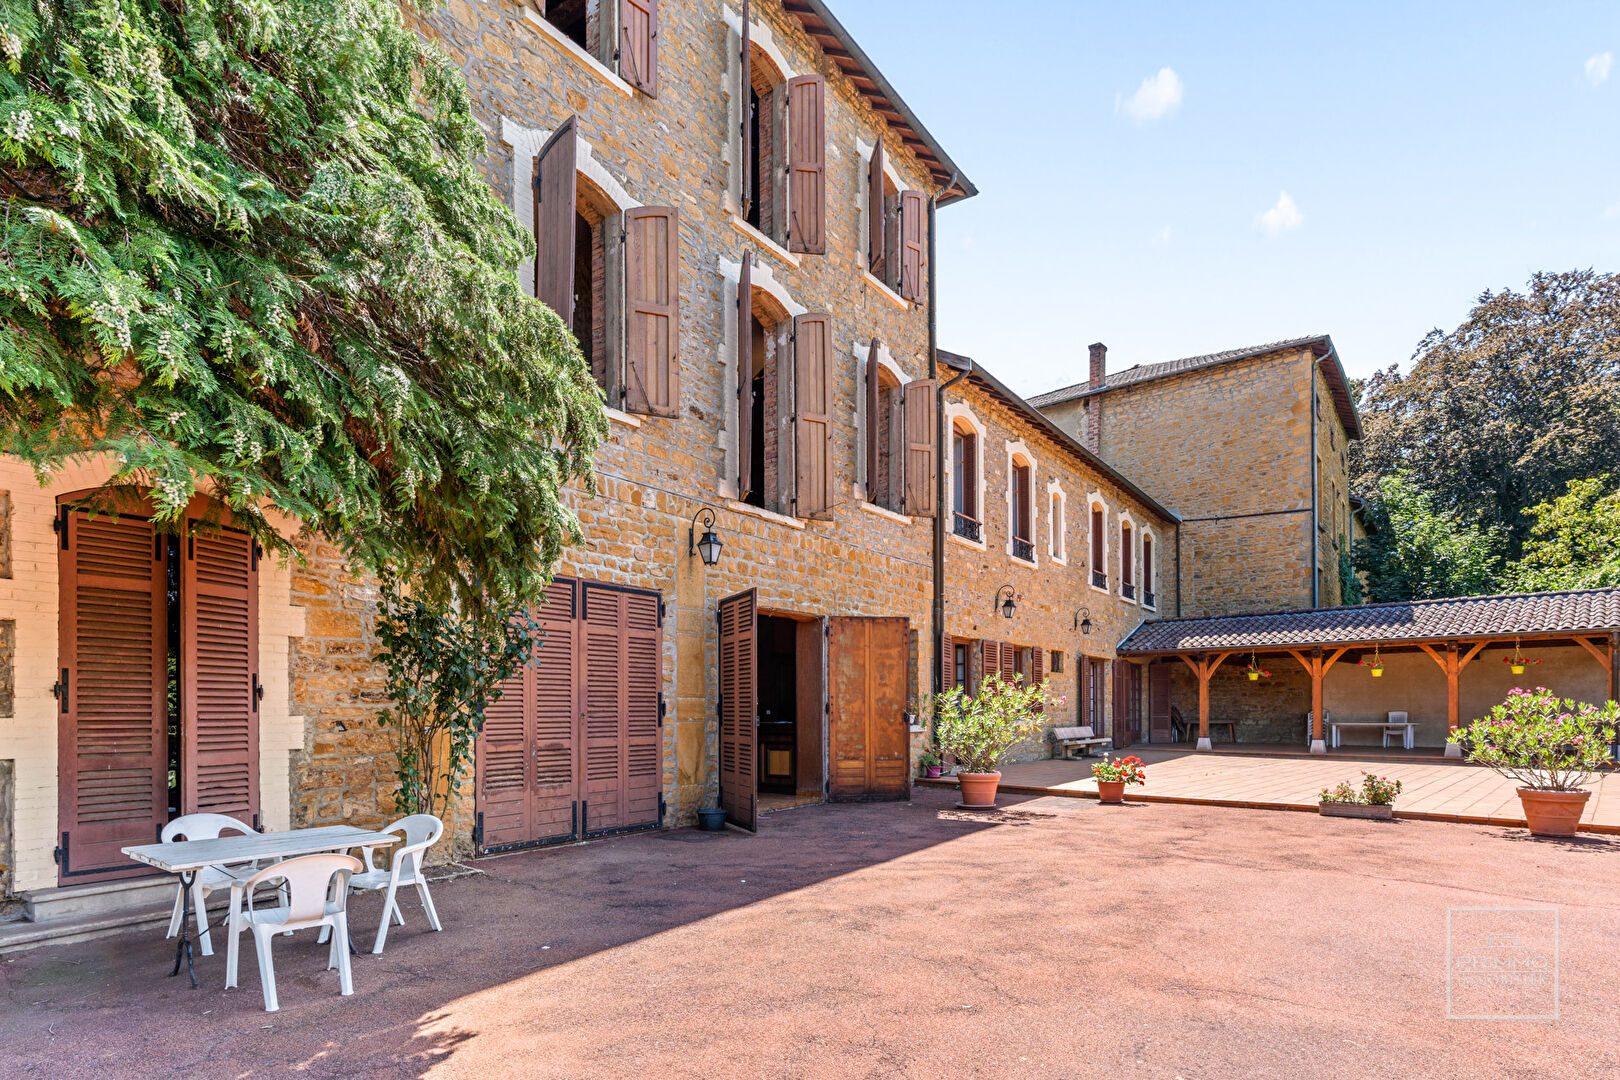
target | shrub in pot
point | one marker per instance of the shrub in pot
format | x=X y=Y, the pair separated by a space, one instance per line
x=1551 y=747
x=976 y=732
x=1375 y=799
x=1113 y=774
x=931 y=764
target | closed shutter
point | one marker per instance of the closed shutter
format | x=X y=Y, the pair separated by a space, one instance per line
x=739 y=653
x=989 y=660
x=554 y=213
x=874 y=211
x=874 y=403
x=947 y=664
x=1009 y=663
x=622 y=676
x=652 y=310
x=743 y=90
x=1121 y=705
x=812 y=425
x=807 y=164
x=638 y=44
x=219 y=671
x=745 y=377
x=922 y=439
x=113 y=699
x=1159 y=683
x=911 y=245
x=1037 y=669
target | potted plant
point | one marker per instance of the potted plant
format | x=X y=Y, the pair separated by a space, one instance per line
x=1551 y=747
x=1375 y=665
x=1112 y=774
x=976 y=732
x=1255 y=671
x=931 y=764
x=1518 y=660
x=1375 y=799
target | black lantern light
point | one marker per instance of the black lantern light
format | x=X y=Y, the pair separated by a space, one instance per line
x=1082 y=620
x=708 y=548
x=1006 y=604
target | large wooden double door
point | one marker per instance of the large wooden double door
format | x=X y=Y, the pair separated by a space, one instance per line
x=573 y=747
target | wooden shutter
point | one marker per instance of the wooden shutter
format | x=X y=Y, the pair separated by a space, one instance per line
x=1037 y=668
x=744 y=112
x=874 y=211
x=1119 y=732
x=739 y=657
x=1147 y=567
x=1097 y=551
x=112 y=702
x=745 y=376
x=874 y=404
x=869 y=739
x=623 y=673
x=812 y=422
x=219 y=671
x=911 y=246
x=1125 y=552
x=922 y=440
x=638 y=44
x=1009 y=662
x=554 y=214
x=946 y=663
x=652 y=310
x=807 y=164
x=1159 y=683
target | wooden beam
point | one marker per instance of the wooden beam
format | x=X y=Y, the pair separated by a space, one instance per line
x=1334 y=659
x=1471 y=654
x=1437 y=657
x=1601 y=655
x=1197 y=674
x=1297 y=655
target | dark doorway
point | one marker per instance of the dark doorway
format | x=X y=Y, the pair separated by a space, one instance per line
x=778 y=705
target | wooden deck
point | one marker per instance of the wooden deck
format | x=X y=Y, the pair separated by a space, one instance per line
x=1436 y=790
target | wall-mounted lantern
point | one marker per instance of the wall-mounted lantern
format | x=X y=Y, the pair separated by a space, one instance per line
x=1006 y=604
x=708 y=548
x=1082 y=620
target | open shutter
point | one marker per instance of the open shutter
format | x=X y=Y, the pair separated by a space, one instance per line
x=812 y=408
x=911 y=245
x=874 y=211
x=638 y=44
x=745 y=136
x=219 y=671
x=112 y=702
x=739 y=653
x=807 y=164
x=922 y=440
x=554 y=212
x=745 y=377
x=652 y=310
x=874 y=403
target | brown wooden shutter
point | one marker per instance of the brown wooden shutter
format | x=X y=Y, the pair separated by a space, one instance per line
x=638 y=44
x=1147 y=566
x=874 y=211
x=1009 y=662
x=652 y=310
x=874 y=404
x=1159 y=684
x=922 y=440
x=745 y=377
x=1125 y=568
x=623 y=674
x=744 y=106
x=555 y=195
x=947 y=663
x=112 y=702
x=219 y=671
x=1037 y=670
x=807 y=164
x=812 y=423
x=1097 y=551
x=970 y=475
x=739 y=655
x=911 y=246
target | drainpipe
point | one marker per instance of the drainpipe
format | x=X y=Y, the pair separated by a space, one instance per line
x=1178 y=569
x=942 y=444
x=1316 y=508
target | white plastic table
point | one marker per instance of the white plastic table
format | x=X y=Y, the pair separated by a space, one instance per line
x=1407 y=738
x=186 y=857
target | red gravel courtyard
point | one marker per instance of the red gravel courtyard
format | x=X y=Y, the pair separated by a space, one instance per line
x=1055 y=939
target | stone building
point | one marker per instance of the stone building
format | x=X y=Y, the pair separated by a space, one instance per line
x=1250 y=447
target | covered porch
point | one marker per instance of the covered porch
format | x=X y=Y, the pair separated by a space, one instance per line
x=1417 y=671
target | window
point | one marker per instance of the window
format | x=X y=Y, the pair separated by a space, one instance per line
x=962 y=664
x=621 y=35
x=784 y=154
x=1099 y=547
x=1127 y=582
x=1057 y=527
x=899 y=439
x=965 y=520
x=1147 y=570
x=885 y=431
x=1057 y=662
x=1095 y=699
x=894 y=230
x=1023 y=544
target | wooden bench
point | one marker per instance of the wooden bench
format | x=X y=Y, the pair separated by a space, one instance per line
x=1065 y=739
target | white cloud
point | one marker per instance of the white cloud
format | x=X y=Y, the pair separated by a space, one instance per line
x=1161 y=238
x=1598 y=67
x=1280 y=218
x=1611 y=212
x=1158 y=96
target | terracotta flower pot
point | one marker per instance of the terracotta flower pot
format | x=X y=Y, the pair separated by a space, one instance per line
x=1111 y=791
x=978 y=789
x=1552 y=813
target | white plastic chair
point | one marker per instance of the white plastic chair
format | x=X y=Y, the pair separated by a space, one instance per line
x=317 y=894
x=210 y=878
x=421 y=831
x=1397 y=728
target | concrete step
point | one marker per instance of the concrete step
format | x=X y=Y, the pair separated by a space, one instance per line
x=102 y=899
x=17 y=936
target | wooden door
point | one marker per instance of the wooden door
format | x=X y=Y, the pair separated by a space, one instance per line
x=1159 y=681
x=739 y=708
x=112 y=697
x=623 y=672
x=867 y=733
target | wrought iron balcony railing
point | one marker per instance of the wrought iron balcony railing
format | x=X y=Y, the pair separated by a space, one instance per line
x=1128 y=591
x=965 y=527
x=1099 y=579
x=1147 y=597
x=1023 y=549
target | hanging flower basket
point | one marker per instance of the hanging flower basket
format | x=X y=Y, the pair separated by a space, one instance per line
x=1375 y=665
x=1255 y=671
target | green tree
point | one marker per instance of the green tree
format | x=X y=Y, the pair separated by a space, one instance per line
x=245 y=247
x=1414 y=551
x=1503 y=412
x=1574 y=540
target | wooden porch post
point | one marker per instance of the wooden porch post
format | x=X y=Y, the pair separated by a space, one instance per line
x=1203 y=668
x=1452 y=664
x=1317 y=667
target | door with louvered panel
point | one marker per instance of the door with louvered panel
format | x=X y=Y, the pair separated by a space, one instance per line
x=867 y=731
x=219 y=661
x=623 y=672
x=112 y=698
x=739 y=708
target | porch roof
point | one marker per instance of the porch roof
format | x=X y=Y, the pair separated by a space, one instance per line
x=1547 y=614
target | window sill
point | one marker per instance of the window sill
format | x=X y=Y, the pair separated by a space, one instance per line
x=1100 y=589
x=1058 y=560
x=883 y=290
x=1031 y=563
x=965 y=542
x=885 y=512
x=767 y=515
x=603 y=73
x=764 y=241
x=629 y=420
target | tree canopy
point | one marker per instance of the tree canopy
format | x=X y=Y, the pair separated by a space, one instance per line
x=245 y=248
x=1574 y=539
x=1414 y=551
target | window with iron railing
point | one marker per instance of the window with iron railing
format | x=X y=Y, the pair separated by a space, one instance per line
x=1023 y=549
x=1148 y=597
x=1128 y=591
x=965 y=527
x=1099 y=579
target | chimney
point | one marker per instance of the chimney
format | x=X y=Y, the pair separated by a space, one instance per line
x=1099 y=368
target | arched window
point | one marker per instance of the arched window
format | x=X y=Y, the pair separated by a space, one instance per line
x=765 y=187
x=767 y=325
x=965 y=519
x=1022 y=524
x=1148 y=597
x=1127 y=549
x=1057 y=525
x=1099 y=544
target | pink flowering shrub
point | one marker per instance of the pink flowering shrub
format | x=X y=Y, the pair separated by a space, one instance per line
x=1541 y=741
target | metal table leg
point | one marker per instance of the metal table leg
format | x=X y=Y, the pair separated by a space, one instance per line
x=182 y=947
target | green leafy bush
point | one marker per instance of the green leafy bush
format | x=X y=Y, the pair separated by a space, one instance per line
x=1540 y=741
x=976 y=732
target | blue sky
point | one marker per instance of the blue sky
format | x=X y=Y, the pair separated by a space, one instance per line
x=1429 y=151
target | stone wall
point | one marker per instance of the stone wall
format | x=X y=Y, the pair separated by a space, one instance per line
x=1333 y=491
